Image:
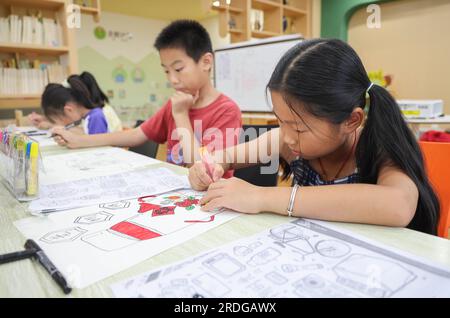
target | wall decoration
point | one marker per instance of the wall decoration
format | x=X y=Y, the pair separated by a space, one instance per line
x=119 y=74
x=100 y=33
x=138 y=75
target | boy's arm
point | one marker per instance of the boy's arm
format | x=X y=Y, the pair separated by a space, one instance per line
x=250 y=153
x=126 y=138
x=181 y=103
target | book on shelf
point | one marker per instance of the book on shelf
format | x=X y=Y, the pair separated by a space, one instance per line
x=31 y=30
x=30 y=77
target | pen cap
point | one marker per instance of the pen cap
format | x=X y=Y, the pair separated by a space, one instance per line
x=32 y=245
x=28 y=149
x=34 y=151
x=20 y=143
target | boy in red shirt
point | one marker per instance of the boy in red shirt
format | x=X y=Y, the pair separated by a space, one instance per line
x=196 y=115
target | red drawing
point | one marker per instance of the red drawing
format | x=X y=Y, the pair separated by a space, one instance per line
x=187 y=202
x=164 y=210
x=141 y=199
x=211 y=218
x=145 y=207
x=135 y=231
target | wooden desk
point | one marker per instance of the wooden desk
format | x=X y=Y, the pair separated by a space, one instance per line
x=28 y=279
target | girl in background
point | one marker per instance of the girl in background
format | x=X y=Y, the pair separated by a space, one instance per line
x=97 y=98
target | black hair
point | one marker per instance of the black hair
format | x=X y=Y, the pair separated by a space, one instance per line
x=98 y=97
x=188 y=35
x=56 y=96
x=328 y=78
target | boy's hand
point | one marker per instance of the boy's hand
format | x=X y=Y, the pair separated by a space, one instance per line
x=182 y=102
x=66 y=138
x=199 y=178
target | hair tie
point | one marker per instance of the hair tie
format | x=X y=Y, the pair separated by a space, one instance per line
x=371 y=85
x=66 y=84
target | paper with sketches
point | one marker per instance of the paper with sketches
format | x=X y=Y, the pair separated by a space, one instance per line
x=93 y=163
x=121 y=186
x=92 y=243
x=298 y=259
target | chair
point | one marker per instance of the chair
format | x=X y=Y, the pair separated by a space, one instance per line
x=149 y=148
x=437 y=164
x=253 y=174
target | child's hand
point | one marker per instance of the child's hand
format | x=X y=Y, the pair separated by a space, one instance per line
x=182 y=102
x=38 y=121
x=234 y=194
x=66 y=138
x=199 y=178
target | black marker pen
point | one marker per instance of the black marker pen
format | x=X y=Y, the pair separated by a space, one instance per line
x=48 y=265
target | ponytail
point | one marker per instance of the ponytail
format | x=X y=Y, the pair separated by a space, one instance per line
x=387 y=140
x=56 y=96
x=98 y=97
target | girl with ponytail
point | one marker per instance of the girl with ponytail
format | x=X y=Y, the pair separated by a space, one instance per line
x=92 y=97
x=344 y=140
x=71 y=102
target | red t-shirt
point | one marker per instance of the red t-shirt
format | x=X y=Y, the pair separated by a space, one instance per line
x=209 y=123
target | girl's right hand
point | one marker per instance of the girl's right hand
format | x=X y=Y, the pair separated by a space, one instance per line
x=199 y=178
x=67 y=138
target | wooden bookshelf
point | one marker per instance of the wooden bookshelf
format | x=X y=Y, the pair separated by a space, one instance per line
x=280 y=17
x=38 y=4
x=65 y=54
x=93 y=10
x=30 y=48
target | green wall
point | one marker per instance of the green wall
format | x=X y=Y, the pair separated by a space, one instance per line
x=336 y=15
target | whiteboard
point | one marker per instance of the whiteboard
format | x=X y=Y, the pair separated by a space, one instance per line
x=243 y=70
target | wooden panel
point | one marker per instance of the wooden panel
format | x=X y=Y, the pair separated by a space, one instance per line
x=29 y=48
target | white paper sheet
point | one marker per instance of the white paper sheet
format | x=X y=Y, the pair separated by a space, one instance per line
x=121 y=186
x=39 y=135
x=92 y=243
x=302 y=258
x=93 y=163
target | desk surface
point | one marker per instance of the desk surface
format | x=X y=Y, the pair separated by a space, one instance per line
x=28 y=279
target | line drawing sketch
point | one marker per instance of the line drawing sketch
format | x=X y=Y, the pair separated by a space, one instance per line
x=242 y=250
x=339 y=263
x=332 y=248
x=63 y=236
x=94 y=218
x=93 y=163
x=224 y=265
x=290 y=268
x=373 y=276
x=211 y=285
x=276 y=278
x=110 y=188
x=264 y=257
x=154 y=218
x=115 y=205
x=121 y=233
x=314 y=285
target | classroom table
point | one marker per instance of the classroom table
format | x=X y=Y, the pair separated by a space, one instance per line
x=27 y=278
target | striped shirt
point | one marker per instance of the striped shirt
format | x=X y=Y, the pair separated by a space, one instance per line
x=305 y=175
